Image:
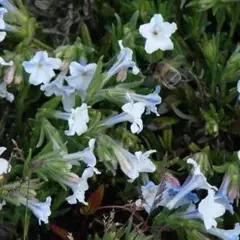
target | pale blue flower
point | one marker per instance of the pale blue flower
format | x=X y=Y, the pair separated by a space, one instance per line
x=171 y=187
x=124 y=61
x=226 y=234
x=132 y=113
x=238 y=89
x=4 y=93
x=8 y=5
x=81 y=76
x=2 y=24
x=222 y=194
x=40 y=209
x=210 y=209
x=58 y=88
x=79 y=185
x=150 y=100
x=132 y=164
x=195 y=181
x=5 y=167
x=41 y=68
x=87 y=155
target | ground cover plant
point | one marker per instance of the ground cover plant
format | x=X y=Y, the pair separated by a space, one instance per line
x=119 y=119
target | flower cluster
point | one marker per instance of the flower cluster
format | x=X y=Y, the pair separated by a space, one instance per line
x=74 y=140
x=172 y=195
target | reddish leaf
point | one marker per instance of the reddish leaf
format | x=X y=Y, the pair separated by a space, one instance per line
x=59 y=231
x=94 y=201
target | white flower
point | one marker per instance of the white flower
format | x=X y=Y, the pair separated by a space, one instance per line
x=87 y=155
x=131 y=164
x=57 y=88
x=4 y=93
x=149 y=193
x=2 y=24
x=124 y=61
x=78 y=185
x=4 y=63
x=40 y=209
x=196 y=181
x=5 y=167
x=210 y=209
x=158 y=34
x=77 y=121
x=150 y=100
x=169 y=188
x=226 y=234
x=41 y=68
x=81 y=76
x=132 y=113
x=3 y=203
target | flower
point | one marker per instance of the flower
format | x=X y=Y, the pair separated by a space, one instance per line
x=238 y=89
x=77 y=120
x=2 y=62
x=41 y=68
x=169 y=188
x=132 y=113
x=5 y=167
x=210 y=209
x=124 y=61
x=2 y=24
x=8 y=5
x=131 y=164
x=78 y=185
x=149 y=193
x=196 y=181
x=150 y=100
x=57 y=88
x=158 y=34
x=87 y=155
x=223 y=196
x=40 y=209
x=3 y=203
x=4 y=93
x=226 y=234
x=81 y=76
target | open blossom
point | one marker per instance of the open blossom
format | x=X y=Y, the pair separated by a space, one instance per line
x=2 y=24
x=195 y=181
x=158 y=34
x=40 y=209
x=79 y=185
x=231 y=234
x=41 y=68
x=5 y=167
x=150 y=100
x=124 y=61
x=170 y=187
x=77 y=120
x=131 y=164
x=223 y=195
x=81 y=76
x=3 y=203
x=87 y=155
x=4 y=93
x=132 y=113
x=58 y=88
x=210 y=209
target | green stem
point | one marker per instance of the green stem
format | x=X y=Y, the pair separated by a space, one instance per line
x=26 y=222
x=40 y=44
